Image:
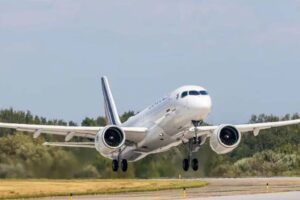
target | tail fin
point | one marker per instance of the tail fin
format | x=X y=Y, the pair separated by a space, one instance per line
x=109 y=103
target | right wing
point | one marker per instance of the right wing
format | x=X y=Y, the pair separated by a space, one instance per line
x=132 y=134
x=68 y=131
x=71 y=144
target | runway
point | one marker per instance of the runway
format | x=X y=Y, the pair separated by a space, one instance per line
x=270 y=196
x=218 y=189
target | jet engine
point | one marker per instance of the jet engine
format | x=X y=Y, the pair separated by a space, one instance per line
x=109 y=140
x=225 y=139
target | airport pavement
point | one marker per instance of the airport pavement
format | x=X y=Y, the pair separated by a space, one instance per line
x=270 y=196
x=218 y=189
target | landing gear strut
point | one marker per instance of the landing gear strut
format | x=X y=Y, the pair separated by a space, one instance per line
x=196 y=139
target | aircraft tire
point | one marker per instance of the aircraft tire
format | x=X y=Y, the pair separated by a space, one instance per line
x=115 y=165
x=185 y=164
x=124 y=165
x=195 y=164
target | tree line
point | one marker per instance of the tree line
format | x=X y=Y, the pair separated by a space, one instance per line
x=275 y=152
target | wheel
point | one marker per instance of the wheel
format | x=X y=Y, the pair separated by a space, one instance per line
x=115 y=165
x=195 y=164
x=185 y=164
x=124 y=165
x=195 y=140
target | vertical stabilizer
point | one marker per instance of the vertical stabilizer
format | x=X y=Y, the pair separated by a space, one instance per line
x=111 y=112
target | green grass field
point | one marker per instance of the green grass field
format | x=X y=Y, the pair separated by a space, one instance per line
x=11 y=189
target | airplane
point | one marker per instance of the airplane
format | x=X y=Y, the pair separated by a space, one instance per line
x=173 y=120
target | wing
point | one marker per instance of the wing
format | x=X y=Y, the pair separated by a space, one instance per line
x=256 y=128
x=71 y=144
x=132 y=134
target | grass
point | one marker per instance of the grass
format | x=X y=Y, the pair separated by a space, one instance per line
x=12 y=189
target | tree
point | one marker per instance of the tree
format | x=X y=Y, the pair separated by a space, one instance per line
x=126 y=115
x=274 y=152
x=88 y=122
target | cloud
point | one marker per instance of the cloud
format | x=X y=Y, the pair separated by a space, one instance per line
x=37 y=14
x=127 y=17
x=280 y=34
x=206 y=22
x=22 y=47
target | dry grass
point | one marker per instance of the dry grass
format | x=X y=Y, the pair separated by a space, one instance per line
x=42 y=188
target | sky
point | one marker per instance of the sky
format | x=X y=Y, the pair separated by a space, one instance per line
x=245 y=53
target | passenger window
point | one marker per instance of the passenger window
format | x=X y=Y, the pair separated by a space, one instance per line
x=203 y=92
x=194 y=93
x=184 y=94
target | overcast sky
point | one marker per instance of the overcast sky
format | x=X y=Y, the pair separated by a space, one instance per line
x=53 y=53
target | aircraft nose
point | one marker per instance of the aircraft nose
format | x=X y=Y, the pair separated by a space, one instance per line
x=206 y=104
x=202 y=105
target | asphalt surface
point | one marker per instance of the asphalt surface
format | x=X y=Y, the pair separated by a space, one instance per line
x=270 y=196
x=218 y=189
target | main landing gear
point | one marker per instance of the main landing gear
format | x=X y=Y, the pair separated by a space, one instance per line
x=118 y=162
x=187 y=162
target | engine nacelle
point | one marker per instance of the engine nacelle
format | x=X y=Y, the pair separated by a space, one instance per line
x=225 y=139
x=109 y=140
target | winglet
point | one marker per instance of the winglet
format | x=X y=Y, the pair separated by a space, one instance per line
x=111 y=112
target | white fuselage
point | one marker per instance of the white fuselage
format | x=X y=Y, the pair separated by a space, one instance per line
x=167 y=120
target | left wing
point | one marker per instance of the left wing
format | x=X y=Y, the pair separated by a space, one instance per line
x=132 y=134
x=256 y=128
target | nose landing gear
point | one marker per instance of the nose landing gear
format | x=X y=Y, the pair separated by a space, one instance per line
x=195 y=164
x=187 y=162
x=185 y=165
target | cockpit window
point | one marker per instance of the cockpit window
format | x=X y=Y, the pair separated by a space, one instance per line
x=194 y=93
x=184 y=94
x=203 y=92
